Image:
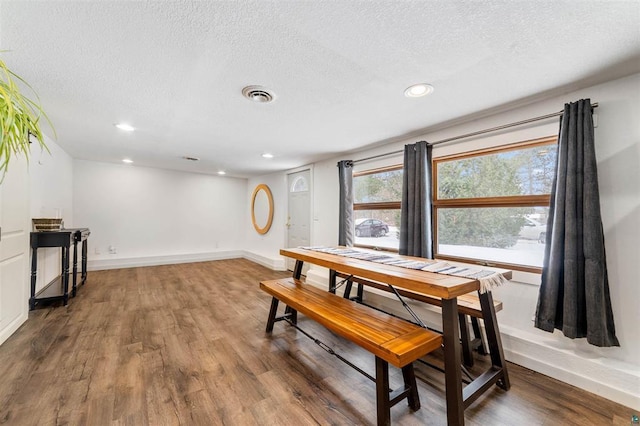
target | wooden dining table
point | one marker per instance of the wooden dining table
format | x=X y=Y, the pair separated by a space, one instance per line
x=446 y=287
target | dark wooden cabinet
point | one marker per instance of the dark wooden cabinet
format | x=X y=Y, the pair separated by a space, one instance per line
x=58 y=289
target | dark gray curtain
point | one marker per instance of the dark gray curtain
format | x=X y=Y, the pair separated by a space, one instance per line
x=416 y=238
x=574 y=295
x=345 y=221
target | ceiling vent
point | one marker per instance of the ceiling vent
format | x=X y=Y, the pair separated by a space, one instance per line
x=190 y=158
x=258 y=94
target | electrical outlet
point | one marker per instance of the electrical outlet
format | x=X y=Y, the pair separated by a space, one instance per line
x=96 y=250
x=112 y=250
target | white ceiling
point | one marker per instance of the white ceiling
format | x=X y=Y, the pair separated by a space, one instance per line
x=175 y=71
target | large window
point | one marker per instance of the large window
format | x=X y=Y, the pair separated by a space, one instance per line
x=491 y=206
x=377 y=195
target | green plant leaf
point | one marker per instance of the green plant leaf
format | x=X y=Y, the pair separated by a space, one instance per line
x=19 y=119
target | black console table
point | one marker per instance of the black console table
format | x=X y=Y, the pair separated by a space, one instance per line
x=58 y=289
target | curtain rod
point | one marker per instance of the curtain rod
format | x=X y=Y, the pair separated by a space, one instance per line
x=479 y=132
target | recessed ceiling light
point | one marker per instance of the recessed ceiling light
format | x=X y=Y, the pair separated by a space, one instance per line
x=222 y=172
x=267 y=155
x=418 y=90
x=258 y=94
x=127 y=160
x=124 y=126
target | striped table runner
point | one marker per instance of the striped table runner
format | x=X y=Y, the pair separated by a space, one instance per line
x=488 y=279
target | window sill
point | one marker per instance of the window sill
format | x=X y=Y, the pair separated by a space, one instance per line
x=526 y=278
x=377 y=248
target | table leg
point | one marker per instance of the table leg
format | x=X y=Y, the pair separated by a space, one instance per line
x=347 y=289
x=65 y=274
x=297 y=273
x=34 y=269
x=493 y=338
x=297 y=270
x=332 y=281
x=75 y=268
x=84 y=261
x=452 y=362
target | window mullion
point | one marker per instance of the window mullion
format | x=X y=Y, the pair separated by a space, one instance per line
x=511 y=201
x=392 y=205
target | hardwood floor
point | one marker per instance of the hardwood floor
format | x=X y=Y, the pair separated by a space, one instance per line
x=185 y=345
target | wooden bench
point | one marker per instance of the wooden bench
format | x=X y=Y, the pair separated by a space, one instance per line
x=392 y=340
x=468 y=306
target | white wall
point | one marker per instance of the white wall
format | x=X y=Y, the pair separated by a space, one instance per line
x=50 y=182
x=152 y=216
x=610 y=372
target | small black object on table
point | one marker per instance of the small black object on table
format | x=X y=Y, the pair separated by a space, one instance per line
x=58 y=289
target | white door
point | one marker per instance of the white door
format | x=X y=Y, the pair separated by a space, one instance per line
x=299 y=211
x=14 y=248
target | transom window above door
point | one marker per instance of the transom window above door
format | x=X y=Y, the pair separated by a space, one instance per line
x=299 y=184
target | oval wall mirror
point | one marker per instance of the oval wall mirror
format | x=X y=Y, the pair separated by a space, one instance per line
x=262 y=208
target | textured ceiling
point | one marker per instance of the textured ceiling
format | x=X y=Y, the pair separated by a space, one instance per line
x=175 y=71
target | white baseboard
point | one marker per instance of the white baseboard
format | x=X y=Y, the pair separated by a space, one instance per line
x=318 y=277
x=276 y=263
x=613 y=380
x=135 y=262
x=13 y=326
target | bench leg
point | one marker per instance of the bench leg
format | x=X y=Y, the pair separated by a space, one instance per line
x=475 y=324
x=272 y=314
x=293 y=314
x=382 y=392
x=410 y=383
x=465 y=339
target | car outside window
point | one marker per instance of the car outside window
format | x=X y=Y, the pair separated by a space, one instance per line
x=377 y=195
